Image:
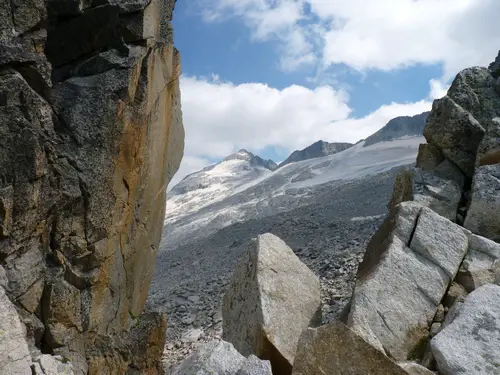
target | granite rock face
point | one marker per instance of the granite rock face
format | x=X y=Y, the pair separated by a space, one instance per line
x=405 y=273
x=272 y=298
x=91 y=133
x=470 y=344
x=221 y=358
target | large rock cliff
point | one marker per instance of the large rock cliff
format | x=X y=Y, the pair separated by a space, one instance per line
x=91 y=134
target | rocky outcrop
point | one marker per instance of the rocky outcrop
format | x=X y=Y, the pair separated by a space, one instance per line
x=316 y=150
x=495 y=67
x=91 y=134
x=272 y=298
x=470 y=344
x=457 y=171
x=439 y=244
x=342 y=352
x=399 y=127
x=403 y=278
x=221 y=358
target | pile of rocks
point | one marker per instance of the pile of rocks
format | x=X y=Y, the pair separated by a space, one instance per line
x=427 y=293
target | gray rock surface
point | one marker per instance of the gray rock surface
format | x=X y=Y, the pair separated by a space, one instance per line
x=221 y=358
x=339 y=351
x=481 y=265
x=469 y=345
x=440 y=190
x=15 y=357
x=271 y=299
x=405 y=273
x=255 y=366
x=49 y=365
x=483 y=216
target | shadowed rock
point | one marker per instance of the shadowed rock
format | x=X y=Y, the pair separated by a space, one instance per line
x=91 y=134
x=334 y=349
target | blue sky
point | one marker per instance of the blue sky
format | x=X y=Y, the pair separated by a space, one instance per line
x=276 y=75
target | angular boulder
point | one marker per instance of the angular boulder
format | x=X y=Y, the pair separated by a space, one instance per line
x=221 y=358
x=272 y=298
x=441 y=194
x=455 y=132
x=334 y=349
x=481 y=265
x=470 y=345
x=255 y=366
x=404 y=275
x=483 y=216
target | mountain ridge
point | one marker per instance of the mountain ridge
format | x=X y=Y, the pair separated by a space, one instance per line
x=316 y=150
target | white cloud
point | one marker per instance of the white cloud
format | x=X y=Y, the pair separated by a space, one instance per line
x=220 y=118
x=368 y=34
x=438 y=89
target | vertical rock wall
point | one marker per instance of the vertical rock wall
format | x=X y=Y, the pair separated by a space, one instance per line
x=90 y=135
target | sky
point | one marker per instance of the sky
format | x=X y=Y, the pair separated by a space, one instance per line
x=274 y=76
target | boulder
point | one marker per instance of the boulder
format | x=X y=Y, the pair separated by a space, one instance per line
x=336 y=349
x=52 y=365
x=272 y=298
x=404 y=275
x=440 y=190
x=255 y=366
x=455 y=132
x=221 y=358
x=481 y=265
x=483 y=216
x=470 y=344
x=429 y=157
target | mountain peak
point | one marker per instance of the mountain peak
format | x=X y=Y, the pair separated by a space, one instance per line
x=316 y=150
x=254 y=160
x=399 y=127
x=241 y=154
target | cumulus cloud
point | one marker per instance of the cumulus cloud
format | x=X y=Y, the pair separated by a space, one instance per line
x=221 y=117
x=438 y=89
x=367 y=34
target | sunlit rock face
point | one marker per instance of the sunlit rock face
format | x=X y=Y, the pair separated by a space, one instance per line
x=91 y=134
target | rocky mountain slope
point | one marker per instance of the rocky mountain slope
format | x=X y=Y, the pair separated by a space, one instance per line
x=426 y=297
x=325 y=208
x=399 y=127
x=91 y=134
x=316 y=150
